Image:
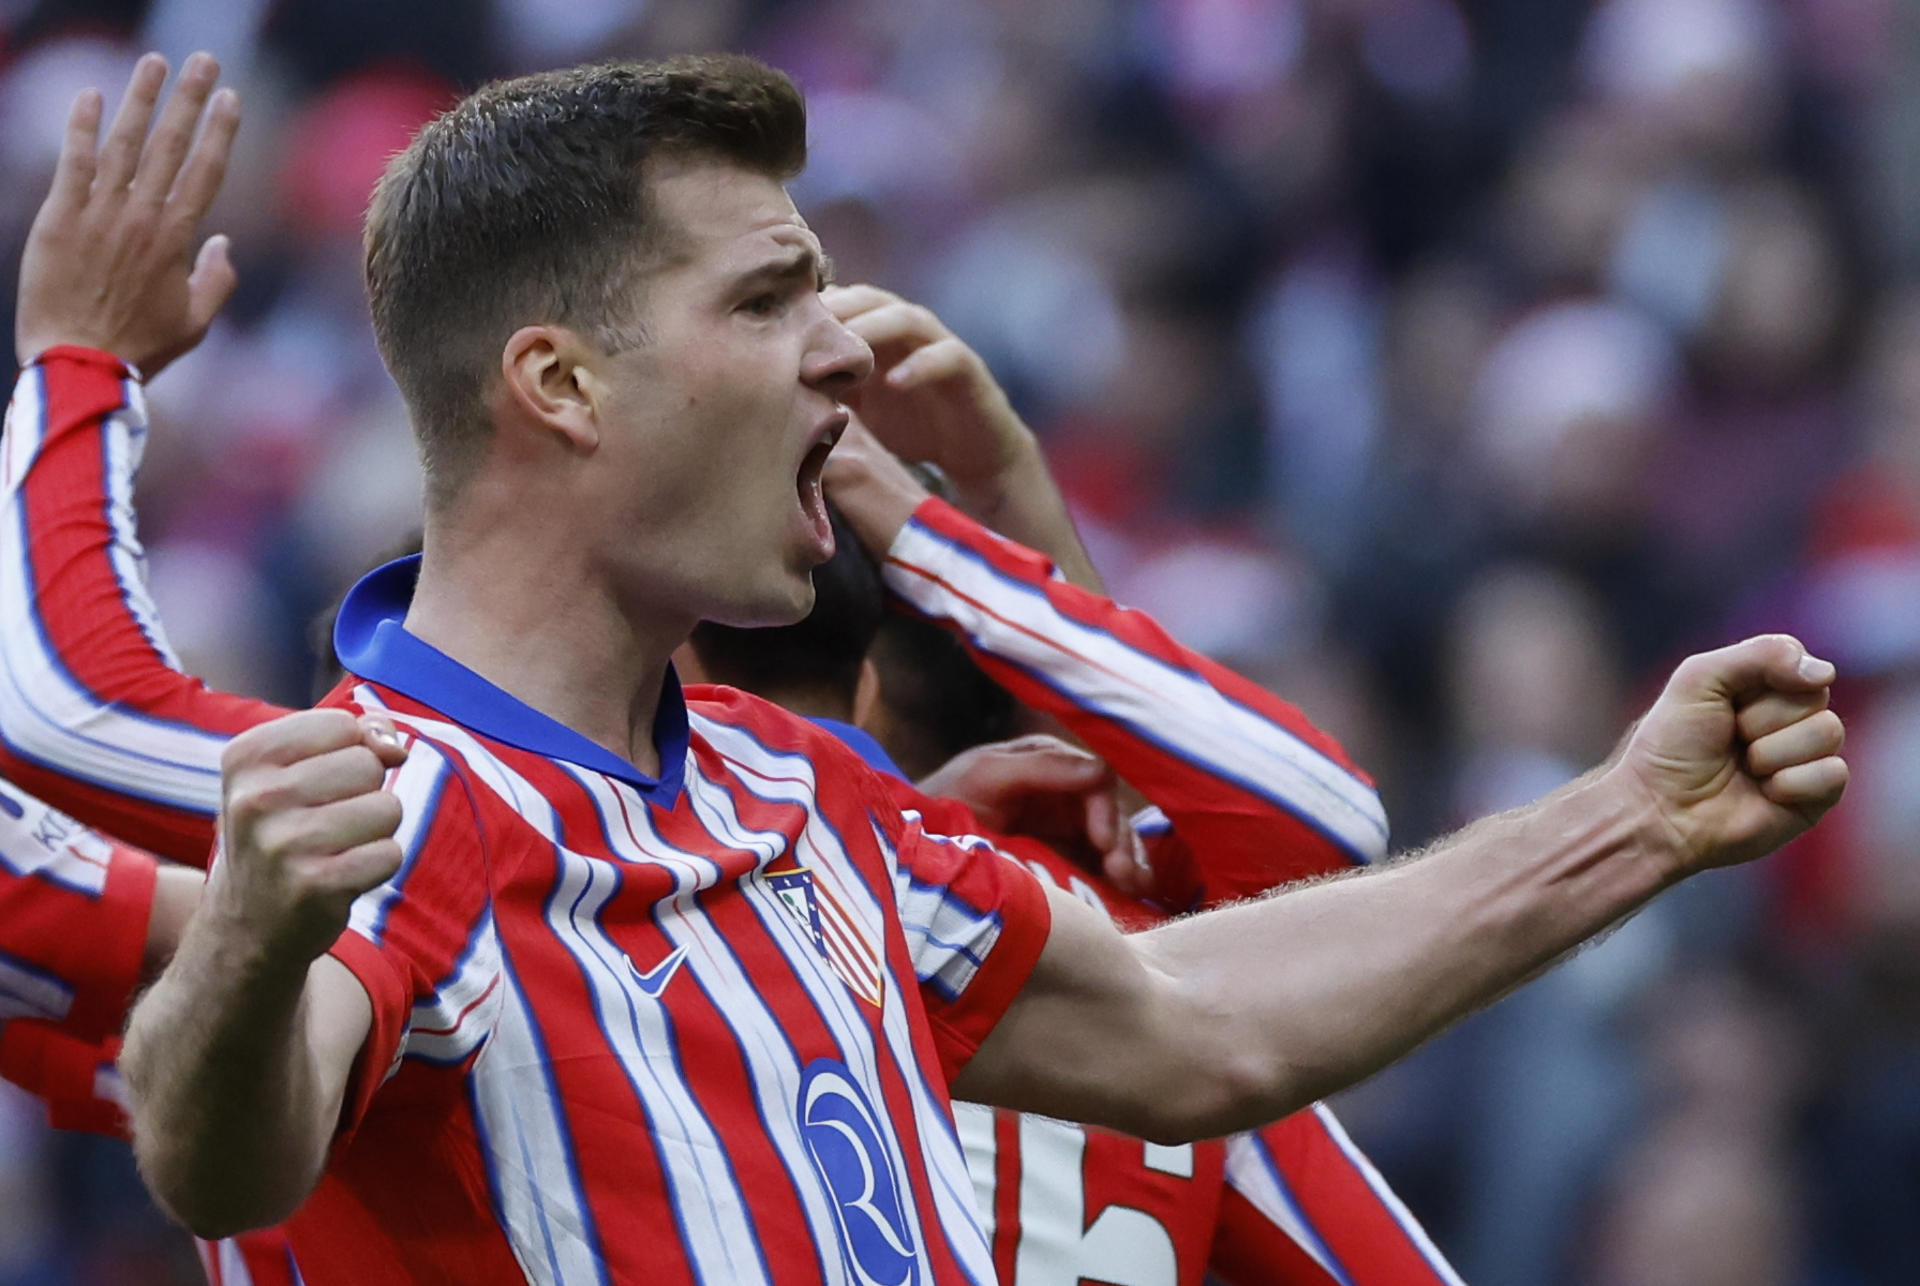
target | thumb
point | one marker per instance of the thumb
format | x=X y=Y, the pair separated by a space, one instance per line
x=379 y=735
x=1765 y=663
x=211 y=283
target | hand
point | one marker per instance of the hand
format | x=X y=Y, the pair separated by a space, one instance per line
x=1042 y=788
x=306 y=828
x=1740 y=753
x=873 y=491
x=932 y=398
x=109 y=262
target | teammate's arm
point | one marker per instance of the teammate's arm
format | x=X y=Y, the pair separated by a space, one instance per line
x=1224 y=1021
x=94 y=714
x=1256 y=793
x=237 y=1060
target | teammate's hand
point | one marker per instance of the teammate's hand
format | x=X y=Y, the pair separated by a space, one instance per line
x=305 y=828
x=932 y=398
x=110 y=260
x=1740 y=753
x=1042 y=788
x=873 y=491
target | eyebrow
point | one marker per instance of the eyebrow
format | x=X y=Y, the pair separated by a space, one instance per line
x=804 y=263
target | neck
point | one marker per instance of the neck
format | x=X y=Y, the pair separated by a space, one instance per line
x=524 y=609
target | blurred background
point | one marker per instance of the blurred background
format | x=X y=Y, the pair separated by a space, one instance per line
x=1452 y=366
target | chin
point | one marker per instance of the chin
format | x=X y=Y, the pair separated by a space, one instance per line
x=782 y=605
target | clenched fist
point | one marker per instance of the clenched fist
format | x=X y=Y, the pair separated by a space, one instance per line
x=305 y=826
x=1740 y=754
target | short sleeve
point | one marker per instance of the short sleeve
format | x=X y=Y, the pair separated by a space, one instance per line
x=408 y=941
x=976 y=921
x=74 y=907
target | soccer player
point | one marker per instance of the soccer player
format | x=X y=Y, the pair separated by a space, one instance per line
x=596 y=374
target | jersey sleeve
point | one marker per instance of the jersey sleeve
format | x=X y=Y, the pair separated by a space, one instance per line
x=74 y=907
x=1304 y=1205
x=76 y=1080
x=975 y=921
x=95 y=715
x=1258 y=795
x=421 y=943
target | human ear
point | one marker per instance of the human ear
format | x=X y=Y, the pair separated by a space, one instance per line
x=547 y=381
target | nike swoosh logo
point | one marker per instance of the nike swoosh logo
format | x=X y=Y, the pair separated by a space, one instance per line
x=655 y=980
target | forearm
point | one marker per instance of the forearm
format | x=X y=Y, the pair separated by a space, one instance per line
x=95 y=715
x=232 y=1111
x=1023 y=503
x=1225 y=1021
x=1258 y=793
x=1330 y=983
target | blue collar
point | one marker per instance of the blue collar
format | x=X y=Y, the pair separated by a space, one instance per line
x=372 y=643
x=862 y=743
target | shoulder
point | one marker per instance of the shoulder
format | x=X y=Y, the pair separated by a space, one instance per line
x=759 y=738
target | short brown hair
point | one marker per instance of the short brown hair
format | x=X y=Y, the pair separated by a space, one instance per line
x=525 y=203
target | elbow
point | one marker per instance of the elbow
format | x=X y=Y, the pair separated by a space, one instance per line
x=211 y=1203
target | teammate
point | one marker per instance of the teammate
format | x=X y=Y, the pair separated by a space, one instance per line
x=1489 y=907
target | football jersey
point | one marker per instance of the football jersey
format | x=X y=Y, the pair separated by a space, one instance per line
x=1246 y=795
x=688 y=1028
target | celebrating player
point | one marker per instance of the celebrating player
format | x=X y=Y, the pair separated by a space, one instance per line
x=596 y=375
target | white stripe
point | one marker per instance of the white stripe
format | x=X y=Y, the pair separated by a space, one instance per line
x=773 y=1066
x=945 y=936
x=1388 y=1198
x=817 y=849
x=44 y=713
x=524 y=1137
x=45 y=842
x=25 y=993
x=233 y=1264
x=124 y=443
x=1181 y=710
x=1249 y=1175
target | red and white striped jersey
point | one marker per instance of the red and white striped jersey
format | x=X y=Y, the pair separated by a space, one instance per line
x=693 y=1028
x=1248 y=795
x=95 y=716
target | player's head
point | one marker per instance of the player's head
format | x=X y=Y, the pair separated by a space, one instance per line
x=598 y=301
x=814 y=666
x=928 y=701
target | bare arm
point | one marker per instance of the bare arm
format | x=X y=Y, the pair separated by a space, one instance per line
x=1227 y=1020
x=237 y=1060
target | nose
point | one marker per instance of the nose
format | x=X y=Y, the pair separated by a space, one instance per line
x=838 y=361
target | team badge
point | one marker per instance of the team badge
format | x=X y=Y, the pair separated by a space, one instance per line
x=834 y=932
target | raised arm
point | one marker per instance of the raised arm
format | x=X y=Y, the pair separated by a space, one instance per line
x=237 y=1061
x=95 y=715
x=1227 y=1020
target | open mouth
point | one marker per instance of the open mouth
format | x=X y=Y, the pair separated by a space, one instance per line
x=813 y=495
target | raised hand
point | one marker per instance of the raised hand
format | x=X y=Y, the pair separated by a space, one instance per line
x=931 y=397
x=1740 y=753
x=873 y=491
x=306 y=828
x=110 y=262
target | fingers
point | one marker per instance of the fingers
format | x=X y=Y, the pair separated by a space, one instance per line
x=941 y=360
x=898 y=322
x=73 y=175
x=179 y=121
x=1808 y=788
x=292 y=738
x=361 y=868
x=120 y=154
x=378 y=734
x=206 y=165
x=848 y=302
x=329 y=830
x=211 y=284
x=1817 y=736
x=1776 y=710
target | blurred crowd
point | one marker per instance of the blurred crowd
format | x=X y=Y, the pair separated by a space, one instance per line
x=1450 y=365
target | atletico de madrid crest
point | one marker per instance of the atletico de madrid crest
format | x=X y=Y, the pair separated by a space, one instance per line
x=835 y=933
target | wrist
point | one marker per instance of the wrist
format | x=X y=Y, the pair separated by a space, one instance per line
x=989 y=495
x=83 y=353
x=1659 y=844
